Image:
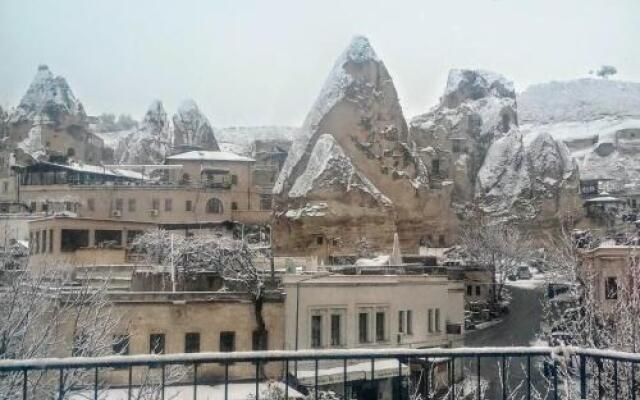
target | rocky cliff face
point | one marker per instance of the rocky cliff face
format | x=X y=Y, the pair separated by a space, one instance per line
x=353 y=155
x=151 y=142
x=192 y=128
x=472 y=138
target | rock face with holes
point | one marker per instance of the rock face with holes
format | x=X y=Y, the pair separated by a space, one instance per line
x=473 y=140
x=352 y=170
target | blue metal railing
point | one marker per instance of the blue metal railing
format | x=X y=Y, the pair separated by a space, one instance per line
x=592 y=373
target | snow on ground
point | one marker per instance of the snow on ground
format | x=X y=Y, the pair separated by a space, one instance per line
x=537 y=280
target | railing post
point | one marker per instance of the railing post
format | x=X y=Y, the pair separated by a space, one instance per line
x=504 y=378
x=95 y=384
x=344 y=379
x=61 y=385
x=453 y=378
x=478 y=377
x=583 y=377
x=555 y=379
x=226 y=380
x=24 y=384
x=633 y=380
x=162 y=383
x=427 y=378
x=286 y=380
x=195 y=381
x=529 y=377
x=615 y=378
x=130 y=378
x=315 y=380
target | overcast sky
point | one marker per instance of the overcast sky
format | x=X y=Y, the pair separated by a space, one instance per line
x=263 y=62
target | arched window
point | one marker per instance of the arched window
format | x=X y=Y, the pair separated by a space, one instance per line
x=214 y=206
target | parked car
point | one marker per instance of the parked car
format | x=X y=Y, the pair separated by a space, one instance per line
x=524 y=273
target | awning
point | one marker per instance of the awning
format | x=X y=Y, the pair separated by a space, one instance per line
x=383 y=369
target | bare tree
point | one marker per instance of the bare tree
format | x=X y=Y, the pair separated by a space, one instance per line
x=496 y=247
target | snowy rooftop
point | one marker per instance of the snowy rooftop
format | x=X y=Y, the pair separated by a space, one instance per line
x=198 y=155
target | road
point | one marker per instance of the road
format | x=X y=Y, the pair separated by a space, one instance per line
x=518 y=328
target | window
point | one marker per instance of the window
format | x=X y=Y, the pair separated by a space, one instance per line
x=265 y=201
x=363 y=327
x=409 y=322
x=119 y=205
x=91 y=205
x=319 y=240
x=260 y=341
x=132 y=234
x=50 y=240
x=5 y=187
x=478 y=290
x=192 y=342
x=441 y=241
x=186 y=179
x=430 y=320
x=469 y=290
x=43 y=249
x=108 y=238
x=155 y=204
x=437 y=319
x=234 y=205
x=36 y=248
x=188 y=205
x=380 y=336
x=316 y=331
x=435 y=166
x=168 y=204
x=45 y=207
x=227 y=341
x=234 y=179
x=156 y=343
x=32 y=207
x=214 y=206
x=335 y=330
x=610 y=288
x=120 y=344
x=132 y=205
x=401 y=321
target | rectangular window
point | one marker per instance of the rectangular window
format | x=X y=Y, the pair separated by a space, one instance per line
x=192 y=342
x=610 y=288
x=155 y=204
x=409 y=322
x=91 y=205
x=188 y=205
x=168 y=204
x=469 y=290
x=156 y=343
x=37 y=246
x=43 y=249
x=401 y=321
x=478 y=290
x=108 y=238
x=227 y=342
x=50 y=240
x=363 y=327
x=316 y=331
x=335 y=330
x=435 y=167
x=380 y=331
x=119 y=205
x=131 y=205
x=430 y=320
x=437 y=319
x=121 y=345
x=260 y=341
x=234 y=179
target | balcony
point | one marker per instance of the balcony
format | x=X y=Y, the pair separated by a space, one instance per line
x=462 y=373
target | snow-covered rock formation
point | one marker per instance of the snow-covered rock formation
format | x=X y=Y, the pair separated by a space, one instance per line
x=472 y=138
x=151 y=142
x=353 y=154
x=599 y=121
x=192 y=128
x=51 y=121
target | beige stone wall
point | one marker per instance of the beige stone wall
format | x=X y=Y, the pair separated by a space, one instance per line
x=349 y=295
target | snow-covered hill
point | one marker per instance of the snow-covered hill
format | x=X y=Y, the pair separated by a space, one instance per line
x=599 y=120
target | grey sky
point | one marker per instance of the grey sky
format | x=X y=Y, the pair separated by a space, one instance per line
x=263 y=62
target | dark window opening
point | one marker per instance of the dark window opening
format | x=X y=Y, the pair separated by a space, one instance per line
x=214 y=206
x=335 y=330
x=73 y=239
x=380 y=337
x=234 y=205
x=409 y=322
x=259 y=341
x=157 y=343
x=401 y=321
x=234 y=179
x=265 y=201
x=132 y=235
x=316 y=331
x=50 y=240
x=188 y=205
x=363 y=327
x=478 y=290
x=43 y=249
x=319 y=240
x=469 y=290
x=108 y=238
x=192 y=342
x=435 y=166
x=227 y=341
x=120 y=345
x=441 y=241
x=611 y=288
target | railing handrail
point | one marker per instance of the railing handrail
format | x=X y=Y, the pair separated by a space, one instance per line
x=301 y=355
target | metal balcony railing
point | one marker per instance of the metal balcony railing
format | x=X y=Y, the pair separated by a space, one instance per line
x=590 y=374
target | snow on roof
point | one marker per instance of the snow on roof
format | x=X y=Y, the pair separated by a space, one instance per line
x=359 y=371
x=199 y=155
x=604 y=199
